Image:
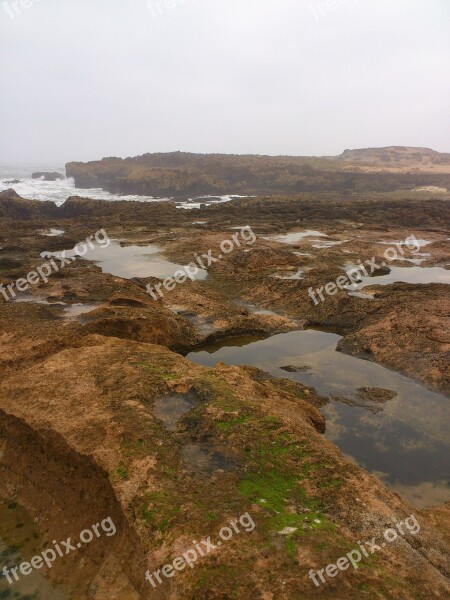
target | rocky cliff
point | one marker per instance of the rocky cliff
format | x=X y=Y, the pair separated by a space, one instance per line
x=181 y=174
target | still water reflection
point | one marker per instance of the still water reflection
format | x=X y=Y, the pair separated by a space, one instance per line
x=405 y=441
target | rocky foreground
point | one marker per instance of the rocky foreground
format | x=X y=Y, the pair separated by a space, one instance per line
x=82 y=437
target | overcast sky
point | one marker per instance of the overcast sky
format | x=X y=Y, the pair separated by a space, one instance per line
x=83 y=79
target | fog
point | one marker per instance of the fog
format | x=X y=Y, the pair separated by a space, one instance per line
x=91 y=78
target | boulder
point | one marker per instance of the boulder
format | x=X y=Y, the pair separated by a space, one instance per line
x=47 y=176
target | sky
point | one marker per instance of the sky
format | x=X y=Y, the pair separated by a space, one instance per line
x=84 y=79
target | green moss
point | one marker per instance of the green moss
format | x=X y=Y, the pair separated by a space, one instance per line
x=273 y=466
x=134 y=448
x=272 y=421
x=122 y=472
x=212 y=517
x=331 y=484
x=290 y=547
x=222 y=394
x=278 y=465
x=234 y=579
x=169 y=471
x=269 y=489
x=232 y=423
x=159 y=509
x=264 y=449
x=167 y=375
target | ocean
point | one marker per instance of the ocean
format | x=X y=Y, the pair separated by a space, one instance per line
x=59 y=191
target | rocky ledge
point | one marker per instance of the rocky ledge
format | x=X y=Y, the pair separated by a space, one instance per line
x=183 y=174
x=85 y=426
x=46 y=176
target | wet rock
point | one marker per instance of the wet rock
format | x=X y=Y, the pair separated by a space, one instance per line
x=85 y=395
x=10 y=263
x=378 y=395
x=126 y=302
x=170 y=409
x=292 y=369
x=202 y=458
x=370 y=398
x=380 y=271
x=10 y=193
x=46 y=176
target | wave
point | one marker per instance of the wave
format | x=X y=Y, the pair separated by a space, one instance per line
x=59 y=191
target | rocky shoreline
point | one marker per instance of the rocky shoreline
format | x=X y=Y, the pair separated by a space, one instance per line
x=78 y=396
x=176 y=174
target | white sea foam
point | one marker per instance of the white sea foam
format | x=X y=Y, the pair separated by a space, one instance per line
x=59 y=191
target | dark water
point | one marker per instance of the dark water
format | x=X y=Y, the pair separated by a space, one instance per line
x=405 y=441
x=170 y=409
x=202 y=458
x=199 y=456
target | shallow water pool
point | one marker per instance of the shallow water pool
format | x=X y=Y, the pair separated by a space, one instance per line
x=131 y=261
x=405 y=441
